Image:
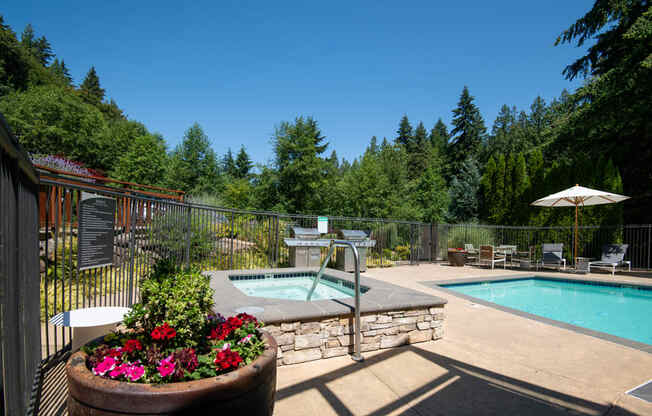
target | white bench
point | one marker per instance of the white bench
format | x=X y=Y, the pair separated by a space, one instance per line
x=89 y=323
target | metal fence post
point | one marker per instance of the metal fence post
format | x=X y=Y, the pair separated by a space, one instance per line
x=132 y=254
x=232 y=237
x=188 y=232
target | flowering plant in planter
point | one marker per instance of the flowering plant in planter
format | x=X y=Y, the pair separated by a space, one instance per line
x=172 y=335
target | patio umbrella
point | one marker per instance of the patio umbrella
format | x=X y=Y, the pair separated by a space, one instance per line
x=576 y=196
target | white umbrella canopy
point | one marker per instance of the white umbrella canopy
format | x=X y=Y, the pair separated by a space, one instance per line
x=578 y=196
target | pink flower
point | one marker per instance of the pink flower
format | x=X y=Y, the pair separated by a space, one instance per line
x=166 y=367
x=118 y=371
x=134 y=372
x=226 y=346
x=107 y=364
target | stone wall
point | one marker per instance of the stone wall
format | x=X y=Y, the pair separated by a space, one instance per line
x=313 y=340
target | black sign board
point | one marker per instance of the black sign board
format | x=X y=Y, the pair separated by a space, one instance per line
x=96 y=224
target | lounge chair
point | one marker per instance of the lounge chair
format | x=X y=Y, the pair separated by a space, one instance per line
x=612 y=256
x=488 y=256
x=472 y=253
x=553 y=256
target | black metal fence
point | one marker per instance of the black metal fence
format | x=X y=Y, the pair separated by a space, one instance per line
x=19 y=275
x=590 y=239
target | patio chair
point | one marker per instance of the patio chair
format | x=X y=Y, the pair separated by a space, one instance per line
x=612 y=256
x=488 y=256
x=553 y=256
x=472 y=253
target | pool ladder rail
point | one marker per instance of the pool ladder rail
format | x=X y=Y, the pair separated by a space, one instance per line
x=331 y=248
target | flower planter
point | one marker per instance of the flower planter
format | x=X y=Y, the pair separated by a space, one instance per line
x=456 y=258
x=249 y=390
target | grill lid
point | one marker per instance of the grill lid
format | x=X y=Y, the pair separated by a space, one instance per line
x=353 y=234
x=306 y=233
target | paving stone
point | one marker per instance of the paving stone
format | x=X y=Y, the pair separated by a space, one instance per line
x=427 y=317
x=368 y=318
x=306 y=341
x=371 y=340
x=383 y=319
x=287 y=347
x=370 y=333
x=332 y=344
x=346 y=340
x=436 y=310
x=393 y=341
x=391 y=331
x=295 y=357
x=438 y=333
x=369 y=347
x=273 y=330
x=436 y=324
x=415 y=312
x=419 y=336
x=380 y=326
x=335 y=331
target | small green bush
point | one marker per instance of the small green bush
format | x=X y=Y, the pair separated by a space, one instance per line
x=403 y=252
x=180 y=297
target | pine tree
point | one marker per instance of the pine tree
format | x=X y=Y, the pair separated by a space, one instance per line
x=60 y=70
x=487 y=188
x=418 y=152
x=39 y=48
x=498 y=198
x=439 y=137
x=373 y=145
x=464 y=192
x=243 y=164
x=228 y=164
x=520 y=186
x=404 y=132
x=468 y=132
x=431 y=192
x=90 y=89
x=508 y=193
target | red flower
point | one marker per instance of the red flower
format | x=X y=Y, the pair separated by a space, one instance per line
x=114 y=352
x=221 y=331
x=246 y=318
x=226 y=359
x=132 y=345
x=234 y=322
x=163 y=332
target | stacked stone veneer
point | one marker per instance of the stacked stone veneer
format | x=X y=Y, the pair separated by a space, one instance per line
x=331 y=337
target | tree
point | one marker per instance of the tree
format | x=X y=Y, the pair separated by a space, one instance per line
x=613 y=106
x=467 y=134
x=60 y=70
x=519 y=196
x=439 y=137
x=193 y=164
x=298 y=148
x=418 y=152
x=144 y=162
x=243 y=164
x=487 y=188
x=497 y=214
x=228 y=164
x=431 y=192
x=90 y=89
x=404 y=132
x=39 y=48
x=464 y=192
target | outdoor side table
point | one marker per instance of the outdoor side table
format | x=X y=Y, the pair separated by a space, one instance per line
x=89 y=323
x=456 y=258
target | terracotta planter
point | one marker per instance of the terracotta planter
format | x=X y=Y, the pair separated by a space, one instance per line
x=248 y=391
x=456 y=258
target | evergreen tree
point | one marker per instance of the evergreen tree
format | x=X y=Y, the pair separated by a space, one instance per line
x=431 y=193
x=90 y=89
x=520 y=186
x=464 y=193
x=418 y=152
x=145 y=161
x=439 y=137
x=298 y=148
x=373 y=145
x=228 y=164
x=39 y=48
x=193 y=164
x=498 y=199
x=60 y=70
x=487 y=188
x=404 y=132
x=243 y=164
x=468 y=132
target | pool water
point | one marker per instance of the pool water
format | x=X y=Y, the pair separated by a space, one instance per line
x=293 y=288
x=623 y=311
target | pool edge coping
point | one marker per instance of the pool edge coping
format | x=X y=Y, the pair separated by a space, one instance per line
x=640 y=346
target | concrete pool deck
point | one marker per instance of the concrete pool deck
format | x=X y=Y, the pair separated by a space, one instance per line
x=489 y=362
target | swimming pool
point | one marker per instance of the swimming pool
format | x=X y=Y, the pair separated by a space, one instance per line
x=293 y=287
x=620 y=310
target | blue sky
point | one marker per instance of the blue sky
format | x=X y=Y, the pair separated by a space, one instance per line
x=240 y=68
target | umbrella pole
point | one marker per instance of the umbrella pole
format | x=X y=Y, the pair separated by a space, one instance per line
x=575 y=258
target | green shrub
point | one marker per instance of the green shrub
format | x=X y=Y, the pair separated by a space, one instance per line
x=403 y=252
x=180 y=297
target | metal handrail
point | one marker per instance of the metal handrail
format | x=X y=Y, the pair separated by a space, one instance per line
x=331 y=248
